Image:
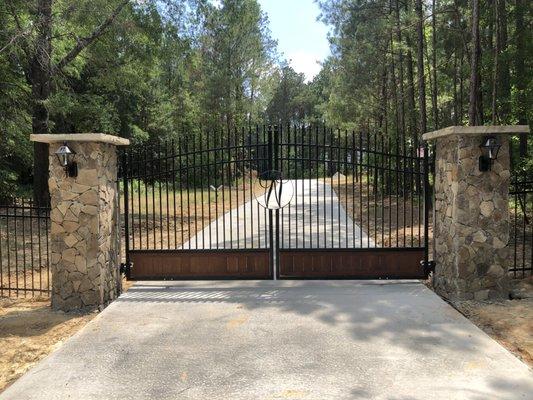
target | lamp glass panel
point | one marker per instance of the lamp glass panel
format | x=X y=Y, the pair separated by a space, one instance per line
x=63 y=154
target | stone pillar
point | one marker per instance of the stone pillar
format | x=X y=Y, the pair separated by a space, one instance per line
x=471 y=226
x=84 y=238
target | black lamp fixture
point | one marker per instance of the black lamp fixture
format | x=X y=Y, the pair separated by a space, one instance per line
x=66 y=159
x=490 y=149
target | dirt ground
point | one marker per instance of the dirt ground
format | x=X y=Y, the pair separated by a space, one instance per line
x=510 y=322
x=390 y=220
x=29 y=331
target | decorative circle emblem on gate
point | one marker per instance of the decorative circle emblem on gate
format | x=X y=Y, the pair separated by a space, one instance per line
x=272 y=191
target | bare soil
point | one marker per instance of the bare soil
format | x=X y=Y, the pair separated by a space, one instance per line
x=391 y=220
x=29 y=331
x=509 y=322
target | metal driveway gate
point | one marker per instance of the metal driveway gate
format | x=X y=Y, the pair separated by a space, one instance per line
x=265 y=202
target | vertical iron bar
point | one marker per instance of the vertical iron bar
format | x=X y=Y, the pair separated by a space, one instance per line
x=126 y=207
x=39 y=227
x=235 y=174
x=288 y=165
x=194 y=188
x=202 y=187
x=270 y=158
x=325 y=174
x=345 y=159
x=139 y=201
x=382 y=190
x=216 y=157
x=243 y=167
x=277 y=168
x=146 y=207
x=251 y=183
x=361 y=168
x=167 y=197
x=308 y=144
x=338 y=172
x=329 y=168
x=368 y=176
x=426 y=205
x=207 y=144
x=173 y=144
x=317 y=167
x=152 y=170
x=354 y=174
x=389 y=187
x=160 y=190
x=31 y=249
x=23 y=248
x=230 y=189
x=132 y=213
x=47 y=249
x=8 y=239
x=182 y=211
x=188 y=183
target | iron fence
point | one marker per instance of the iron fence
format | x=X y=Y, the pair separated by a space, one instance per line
x=24 y=249
x=521 y=235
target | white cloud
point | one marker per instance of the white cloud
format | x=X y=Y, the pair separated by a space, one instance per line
x=306 y=63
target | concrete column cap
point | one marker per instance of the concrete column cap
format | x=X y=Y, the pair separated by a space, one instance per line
x=476 y=131
x=80 y=137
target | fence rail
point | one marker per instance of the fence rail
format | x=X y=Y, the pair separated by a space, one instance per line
x=521 y=235
x=24 y=249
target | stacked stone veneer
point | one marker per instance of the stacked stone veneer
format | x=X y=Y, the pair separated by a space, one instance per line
x=471 y=229
x=84 y=240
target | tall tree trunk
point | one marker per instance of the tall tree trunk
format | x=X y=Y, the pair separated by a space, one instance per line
x=420 y=67
x=458 y=67
x=411 y=92
x=473 y=108
x=495 y=71
x=521 y=71
x=41 y=80
x=434 y=91
x=400 y=67
x=461 y=87
x=455 y=96
x=504 y=79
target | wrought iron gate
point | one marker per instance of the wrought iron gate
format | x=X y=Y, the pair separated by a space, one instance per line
x=264 y=202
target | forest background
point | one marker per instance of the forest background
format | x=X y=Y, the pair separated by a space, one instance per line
x=154 y=69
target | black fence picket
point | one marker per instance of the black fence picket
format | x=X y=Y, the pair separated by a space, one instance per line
x=24 y=249
x=521 y=232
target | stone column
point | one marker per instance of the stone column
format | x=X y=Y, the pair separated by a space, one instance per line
x=84 y=238
x=471 y=226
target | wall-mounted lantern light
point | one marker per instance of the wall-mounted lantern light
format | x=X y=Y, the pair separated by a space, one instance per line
x=66 y=159
x=489 y=149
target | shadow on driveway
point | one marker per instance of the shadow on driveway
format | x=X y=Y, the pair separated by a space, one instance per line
x=276 y=340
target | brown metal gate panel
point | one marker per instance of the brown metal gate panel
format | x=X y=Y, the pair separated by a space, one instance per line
x=351 y=264
x=198 y=264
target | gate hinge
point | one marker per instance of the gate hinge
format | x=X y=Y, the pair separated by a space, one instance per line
x=428 y=267
x=125 y=269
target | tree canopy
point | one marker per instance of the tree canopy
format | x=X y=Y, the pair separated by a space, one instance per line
x=152 y=69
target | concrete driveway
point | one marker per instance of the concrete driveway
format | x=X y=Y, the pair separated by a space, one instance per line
x=278 y=340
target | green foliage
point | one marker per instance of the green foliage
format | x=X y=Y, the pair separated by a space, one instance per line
x=168 y=67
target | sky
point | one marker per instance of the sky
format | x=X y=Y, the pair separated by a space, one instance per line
x=302 y=39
